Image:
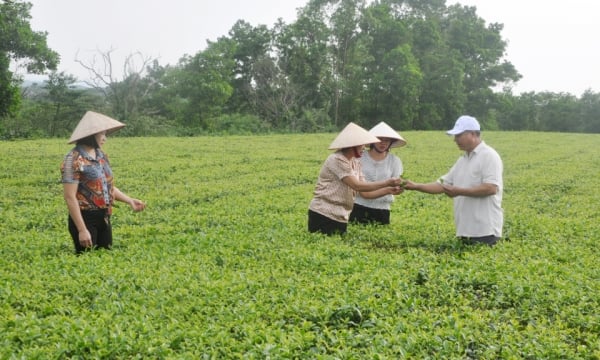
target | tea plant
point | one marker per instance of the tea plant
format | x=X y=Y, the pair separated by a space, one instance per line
x=221 y=265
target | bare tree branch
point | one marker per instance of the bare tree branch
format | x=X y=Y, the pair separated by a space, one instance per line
x=125 y=94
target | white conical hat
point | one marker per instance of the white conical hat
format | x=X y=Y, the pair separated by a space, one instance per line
x=92 y=123
x=384 y=130
x=352 y=135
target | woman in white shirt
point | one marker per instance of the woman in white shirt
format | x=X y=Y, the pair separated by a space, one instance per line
x=378 y=163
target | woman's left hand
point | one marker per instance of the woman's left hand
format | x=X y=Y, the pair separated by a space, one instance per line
x=137 y=205
x=397 y=190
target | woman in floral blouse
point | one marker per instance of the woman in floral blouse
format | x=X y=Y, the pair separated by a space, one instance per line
x=88 y=184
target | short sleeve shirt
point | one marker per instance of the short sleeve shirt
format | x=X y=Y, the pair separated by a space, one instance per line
x=93 y=176
x=374 y=170
x=332 y=197
x=477 y=216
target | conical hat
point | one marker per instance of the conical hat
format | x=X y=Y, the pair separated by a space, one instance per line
x=352 y=135
x=384 y=130
x=92 y=123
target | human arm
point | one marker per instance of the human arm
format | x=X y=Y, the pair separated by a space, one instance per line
x=429 y=188
x=388 y=190
x=70 y=195
x=485 y=189
x=135 y=204
x=370 y=186
x=390 y=167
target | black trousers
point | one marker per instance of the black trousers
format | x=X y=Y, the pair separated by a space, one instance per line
x=325 y=225
x=98 y=224
x=490 y=240
x=366 y=215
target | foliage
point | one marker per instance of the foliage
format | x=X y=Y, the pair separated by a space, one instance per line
x=220 y=265
x=204 y=82
x=52 y=109
x=144 y=125
x=481 y=49
x=417 y=65
x=252 y=48
x=589 y=110
x=237 y=124
x=18 y=42
x=9 y=91
x=546 y=111
x=306 y=78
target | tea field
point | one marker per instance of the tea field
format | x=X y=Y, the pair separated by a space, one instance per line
x=221 y=266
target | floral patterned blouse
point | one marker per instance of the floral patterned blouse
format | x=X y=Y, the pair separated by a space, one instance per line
x=93 y=176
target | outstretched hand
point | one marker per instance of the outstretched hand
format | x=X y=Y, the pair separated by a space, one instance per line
x=137 y=205
x=408 y=185
x=450 y=190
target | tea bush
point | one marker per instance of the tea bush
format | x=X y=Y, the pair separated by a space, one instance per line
x=221 y=265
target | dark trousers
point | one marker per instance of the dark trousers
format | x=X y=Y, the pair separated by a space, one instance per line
x=98 y=224
x=366 y=215
x=489 y=240
x=325 y=225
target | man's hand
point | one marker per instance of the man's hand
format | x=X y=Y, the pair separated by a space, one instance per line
x=451 y=190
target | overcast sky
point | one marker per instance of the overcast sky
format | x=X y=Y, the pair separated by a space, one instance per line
x=552 y=43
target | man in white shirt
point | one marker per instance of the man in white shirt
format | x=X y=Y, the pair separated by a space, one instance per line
x=475 y=184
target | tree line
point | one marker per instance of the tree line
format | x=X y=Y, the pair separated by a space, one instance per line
x=416 y=64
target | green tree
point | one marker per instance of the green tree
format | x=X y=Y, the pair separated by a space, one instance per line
x=20 y=43
x=252 y=46
x=480 y=49
x=516 y=112
x=273 y=97
x=345 y=50
x=559 y=112
x=442 y=94
x=63 y=103
x=54 y=108
x=161 y=99
x=204 y=83
x=390 y=74
x=590 y=111
x=303 y=57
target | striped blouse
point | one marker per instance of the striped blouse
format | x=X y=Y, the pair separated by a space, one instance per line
x=332 y=198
